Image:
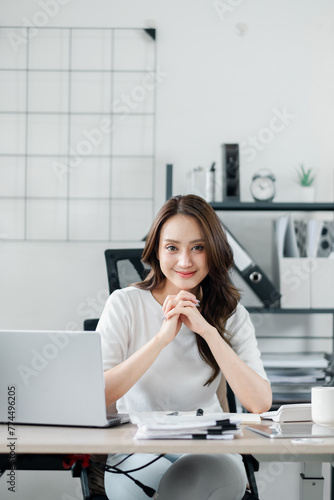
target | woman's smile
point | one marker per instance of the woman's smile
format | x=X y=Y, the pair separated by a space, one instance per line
x=186 y=274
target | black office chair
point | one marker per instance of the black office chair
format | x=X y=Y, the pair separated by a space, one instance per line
x=124 y=267
x=90 y=324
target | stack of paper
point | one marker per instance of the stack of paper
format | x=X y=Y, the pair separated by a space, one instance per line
x=293 y=374
x=295 y=360
x=186 y=425
x=292 y=377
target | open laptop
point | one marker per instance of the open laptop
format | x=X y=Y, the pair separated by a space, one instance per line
x=53 y=378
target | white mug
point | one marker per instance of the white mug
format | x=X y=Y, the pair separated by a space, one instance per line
x=322 y=405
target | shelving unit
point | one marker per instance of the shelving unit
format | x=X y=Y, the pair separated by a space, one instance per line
x=271 y=206
x=278 y=310
x=278 y=389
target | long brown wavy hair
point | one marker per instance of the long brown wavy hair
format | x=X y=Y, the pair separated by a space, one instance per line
x=219 y=297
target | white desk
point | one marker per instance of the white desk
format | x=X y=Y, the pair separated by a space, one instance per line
x=73 y=440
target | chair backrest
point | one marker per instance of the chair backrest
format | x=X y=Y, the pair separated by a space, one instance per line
x=90 y=324
x=226 y=396
x=124 y=267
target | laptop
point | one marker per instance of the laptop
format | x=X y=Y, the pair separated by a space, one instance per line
x=293 y=430
x=53 y=378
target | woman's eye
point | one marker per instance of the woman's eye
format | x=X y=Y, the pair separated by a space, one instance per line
x=198 y=248
x=171 y=248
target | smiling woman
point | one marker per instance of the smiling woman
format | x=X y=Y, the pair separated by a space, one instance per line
x=182 y=256
x=167 y=340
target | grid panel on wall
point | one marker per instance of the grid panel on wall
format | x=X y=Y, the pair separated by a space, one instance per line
x=77 y=133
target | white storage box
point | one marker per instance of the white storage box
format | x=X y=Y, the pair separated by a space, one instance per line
x=322 y=283
x=295 y=282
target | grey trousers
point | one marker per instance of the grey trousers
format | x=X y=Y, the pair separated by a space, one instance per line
x=179 y=477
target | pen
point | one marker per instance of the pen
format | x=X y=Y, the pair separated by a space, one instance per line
x=173 y=413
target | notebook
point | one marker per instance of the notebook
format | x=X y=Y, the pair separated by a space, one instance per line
x=53 y=378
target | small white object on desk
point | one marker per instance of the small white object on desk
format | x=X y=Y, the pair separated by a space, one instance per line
x=290 y=413
x=323 y=405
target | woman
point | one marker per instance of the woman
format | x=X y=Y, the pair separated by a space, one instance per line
x=167 y=340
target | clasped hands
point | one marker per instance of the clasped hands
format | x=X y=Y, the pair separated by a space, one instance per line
x=183 y=308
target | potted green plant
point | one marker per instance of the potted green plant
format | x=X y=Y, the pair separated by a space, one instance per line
x=305 y=179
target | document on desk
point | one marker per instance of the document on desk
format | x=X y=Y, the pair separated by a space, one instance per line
x=186 y=425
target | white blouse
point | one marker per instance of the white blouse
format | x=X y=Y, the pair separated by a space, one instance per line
x=175 y=381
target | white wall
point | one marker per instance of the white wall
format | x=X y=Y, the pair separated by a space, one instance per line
x=221 y=86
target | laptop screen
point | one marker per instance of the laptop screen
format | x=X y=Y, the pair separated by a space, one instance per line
x=52 y=377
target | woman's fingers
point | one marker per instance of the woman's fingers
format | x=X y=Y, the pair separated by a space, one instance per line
x=172 y=301
x=181 y=307
x=184 y=295
x=191 y=317
x=177 y=307
x=168 y=304
x=170 y=328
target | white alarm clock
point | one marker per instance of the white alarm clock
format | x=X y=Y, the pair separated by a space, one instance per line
x=263 y=186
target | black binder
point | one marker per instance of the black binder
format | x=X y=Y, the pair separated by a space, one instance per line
x=255 y=278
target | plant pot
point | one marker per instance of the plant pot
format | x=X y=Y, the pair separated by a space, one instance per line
x=306 y=194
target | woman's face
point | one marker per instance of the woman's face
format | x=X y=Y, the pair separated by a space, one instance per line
x=182 y=254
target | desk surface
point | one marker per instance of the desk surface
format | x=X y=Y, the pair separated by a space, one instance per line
x=60 y=440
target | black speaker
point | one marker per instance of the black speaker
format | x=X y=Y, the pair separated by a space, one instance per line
x=231 y=186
